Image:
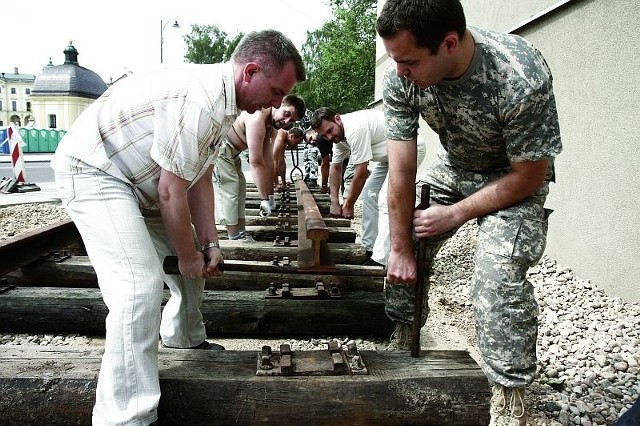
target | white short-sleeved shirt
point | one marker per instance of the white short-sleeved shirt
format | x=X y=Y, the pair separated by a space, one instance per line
x=365 y=138
x=172 y=118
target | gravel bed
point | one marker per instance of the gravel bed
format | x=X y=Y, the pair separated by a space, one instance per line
x=588 y=358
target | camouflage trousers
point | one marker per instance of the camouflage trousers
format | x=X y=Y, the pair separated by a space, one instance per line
x=509 y=241
x=311 y=159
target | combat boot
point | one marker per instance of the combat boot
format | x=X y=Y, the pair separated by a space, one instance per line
x=507 y=406
x=400 y=338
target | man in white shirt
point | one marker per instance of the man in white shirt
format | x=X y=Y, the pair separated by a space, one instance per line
x=362 y=136
x=148 y=144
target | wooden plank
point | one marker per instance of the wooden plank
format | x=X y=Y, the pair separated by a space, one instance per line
x=51 y=385
x=78 y=272
x=293 y=221
x=53 y=309
x=323 y=207
x=269 y=233
x=170 y=266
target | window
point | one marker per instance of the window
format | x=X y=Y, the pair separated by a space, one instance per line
x=28 y=106
x=1 y=123
x=52 y=121
x=14 y=106
x=0 y=105
x=13 y=90
x=27 y=91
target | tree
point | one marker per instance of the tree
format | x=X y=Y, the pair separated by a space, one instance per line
x=208 y=44
x=340 y=58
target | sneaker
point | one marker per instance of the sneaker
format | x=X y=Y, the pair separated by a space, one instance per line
x=371 y=262
x=203 y=345
x=507 y=406
x=400 y=338
x=242 y=235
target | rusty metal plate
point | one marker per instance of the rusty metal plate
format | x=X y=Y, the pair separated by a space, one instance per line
x=335 y=360
x=319 y=292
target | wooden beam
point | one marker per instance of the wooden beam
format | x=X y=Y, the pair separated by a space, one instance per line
x=170 y=266
x=77 y=272
x=52 y=309
x=269 y=233
x=55 y=385
x=293 y=221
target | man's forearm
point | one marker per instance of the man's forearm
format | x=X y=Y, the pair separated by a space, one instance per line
x=202 y=207
x=324 y=170
x=335 y=180
x=261 y=177
x=401 y=193
x=174 y=209
x=357 y=183
x=524 y=179
x=401 y=200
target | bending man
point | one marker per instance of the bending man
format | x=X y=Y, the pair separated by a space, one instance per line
x=361 y=136
x=252 y=131
x=489 y=96
x=134 y=174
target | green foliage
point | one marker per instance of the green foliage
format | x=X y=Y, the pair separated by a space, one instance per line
x=207 y=44
x=340 y=58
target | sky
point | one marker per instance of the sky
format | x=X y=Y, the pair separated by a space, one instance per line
x=119 y=36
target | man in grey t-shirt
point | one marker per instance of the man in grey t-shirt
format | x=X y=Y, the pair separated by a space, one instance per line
x=490 y=99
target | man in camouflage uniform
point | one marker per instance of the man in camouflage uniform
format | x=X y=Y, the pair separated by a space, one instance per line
x=311 y=158
x=489 y=96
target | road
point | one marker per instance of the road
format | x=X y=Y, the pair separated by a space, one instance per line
x=37 y=169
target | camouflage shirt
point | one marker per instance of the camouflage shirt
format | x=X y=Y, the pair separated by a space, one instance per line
x=502 y=109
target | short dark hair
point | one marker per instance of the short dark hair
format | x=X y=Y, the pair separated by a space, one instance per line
x=307 y=134
x=297 y=103
x=272 y=49
x=320 y=114
x=427 y=20
x=296 y=132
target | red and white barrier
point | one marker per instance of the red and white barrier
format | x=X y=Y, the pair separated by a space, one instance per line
x=15 y=150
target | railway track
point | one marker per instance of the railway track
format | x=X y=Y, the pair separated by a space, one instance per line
x=284 y=274
x=301 y=278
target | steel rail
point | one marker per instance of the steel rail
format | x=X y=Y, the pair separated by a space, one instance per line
x=26 y=248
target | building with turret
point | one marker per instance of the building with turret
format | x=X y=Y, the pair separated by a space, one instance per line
x=62 y=92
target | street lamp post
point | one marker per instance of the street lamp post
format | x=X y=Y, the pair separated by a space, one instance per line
x=163 y=25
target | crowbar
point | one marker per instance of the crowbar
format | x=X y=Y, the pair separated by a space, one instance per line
x=423 y=274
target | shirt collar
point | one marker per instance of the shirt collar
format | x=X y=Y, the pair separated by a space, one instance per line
x=229 y=86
